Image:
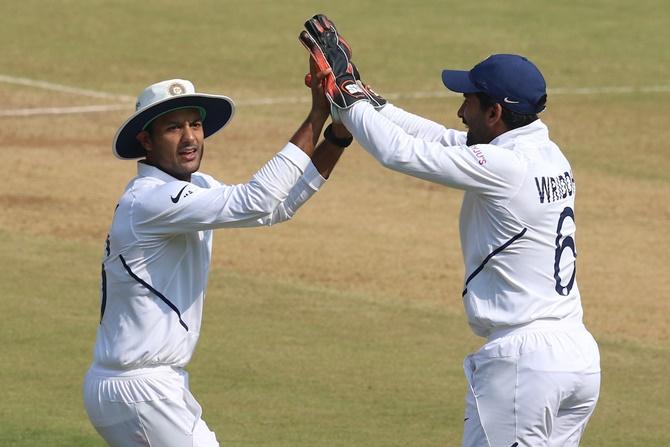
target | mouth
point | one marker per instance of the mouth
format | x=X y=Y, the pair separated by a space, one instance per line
x=188 y=153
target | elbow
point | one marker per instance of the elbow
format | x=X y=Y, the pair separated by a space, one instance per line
x=389 y=159
x=260 y=201
x=388 y=151
x=279 y=216
x=387 y=162
x=265 y=207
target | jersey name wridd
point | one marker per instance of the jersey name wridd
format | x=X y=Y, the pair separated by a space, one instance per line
x=555 y=188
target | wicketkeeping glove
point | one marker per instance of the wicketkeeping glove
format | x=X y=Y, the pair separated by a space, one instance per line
x=377 y=100
x=329 y=50
x=340 y=85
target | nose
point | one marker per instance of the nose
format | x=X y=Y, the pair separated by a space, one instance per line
x=460 y=111
x=188 y=134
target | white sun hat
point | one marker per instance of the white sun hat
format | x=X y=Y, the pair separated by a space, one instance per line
x=164 y=97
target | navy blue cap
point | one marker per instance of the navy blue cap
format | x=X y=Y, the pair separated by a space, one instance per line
x=511 y=80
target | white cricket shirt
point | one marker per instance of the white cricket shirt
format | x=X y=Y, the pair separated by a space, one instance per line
x=157 y=254
x=517 y=221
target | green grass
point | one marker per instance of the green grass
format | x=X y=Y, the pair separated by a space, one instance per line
x=316 y=367
x=305 y=363
x=48 y=305
x=120 y=45
x=282 y=363
x=343 y=327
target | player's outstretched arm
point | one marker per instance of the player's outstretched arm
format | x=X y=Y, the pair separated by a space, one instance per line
x=326 y=155
x=308 y=133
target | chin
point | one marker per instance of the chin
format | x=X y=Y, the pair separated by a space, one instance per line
x=192 y=169
x=194 y=165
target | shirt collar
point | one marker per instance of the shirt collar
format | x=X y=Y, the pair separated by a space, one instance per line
x=536 y=130
x=147 y=170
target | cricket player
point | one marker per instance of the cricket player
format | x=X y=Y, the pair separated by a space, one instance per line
x=535 y=382
x=158 y=251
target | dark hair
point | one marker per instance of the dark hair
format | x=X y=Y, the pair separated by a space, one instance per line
x=511 y=119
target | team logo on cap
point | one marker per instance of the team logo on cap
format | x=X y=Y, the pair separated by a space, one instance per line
x=176 y=89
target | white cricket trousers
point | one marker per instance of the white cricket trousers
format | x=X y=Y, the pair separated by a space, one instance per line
x=532 y=386
x=148 y=407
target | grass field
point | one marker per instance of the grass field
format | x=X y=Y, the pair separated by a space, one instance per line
x=343 y=327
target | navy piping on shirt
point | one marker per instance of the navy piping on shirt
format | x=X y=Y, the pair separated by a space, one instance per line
x=154 y=291
x=103 y=302
x=488 y=258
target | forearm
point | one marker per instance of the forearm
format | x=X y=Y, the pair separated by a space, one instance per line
x=308 y=184
x=420 y=127
x=393 y=147
x=308 y=133
x=372 y=131
x=327 y=153
x=324 y=159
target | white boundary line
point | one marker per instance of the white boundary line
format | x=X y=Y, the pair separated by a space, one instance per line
x=125 y=101
x=63 y=110
x=64 y=88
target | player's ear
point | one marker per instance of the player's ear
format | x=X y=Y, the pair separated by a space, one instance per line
x=494 y=113
x=145 y=140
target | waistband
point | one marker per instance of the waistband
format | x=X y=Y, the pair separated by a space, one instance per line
x=103 y=371
x=537 y=326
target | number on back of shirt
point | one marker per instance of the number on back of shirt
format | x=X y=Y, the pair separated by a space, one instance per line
x=566 y=253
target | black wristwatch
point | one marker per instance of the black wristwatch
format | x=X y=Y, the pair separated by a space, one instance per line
x=331 y=138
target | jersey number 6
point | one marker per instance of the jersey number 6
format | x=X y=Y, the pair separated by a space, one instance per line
x=563 y=242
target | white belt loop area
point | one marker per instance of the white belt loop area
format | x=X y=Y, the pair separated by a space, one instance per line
x=537 y=325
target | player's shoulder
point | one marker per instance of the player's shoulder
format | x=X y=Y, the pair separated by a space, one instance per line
x=545 y=156
x=204 y=180
x=146 y=185
x=499 y=159
x=155 y=193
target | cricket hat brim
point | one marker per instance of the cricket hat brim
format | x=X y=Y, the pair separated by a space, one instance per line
x=216 y=111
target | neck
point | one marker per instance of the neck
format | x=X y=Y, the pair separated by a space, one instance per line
x=182 y=177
